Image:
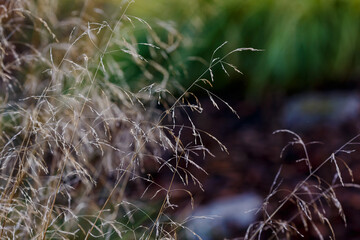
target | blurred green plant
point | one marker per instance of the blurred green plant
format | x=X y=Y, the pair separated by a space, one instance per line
x=307 y=43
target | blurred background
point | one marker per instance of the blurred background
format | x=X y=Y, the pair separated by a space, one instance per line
x=308 y=45
x=305 y=79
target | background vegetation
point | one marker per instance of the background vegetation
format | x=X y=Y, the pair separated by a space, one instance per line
x=101 y=105
x=308 y=44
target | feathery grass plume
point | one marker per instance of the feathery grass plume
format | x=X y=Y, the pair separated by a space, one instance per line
x=90 y=112
x=313 y=198
x=79 y=130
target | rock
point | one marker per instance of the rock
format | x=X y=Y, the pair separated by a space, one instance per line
x=306 y=111
x=217 y=219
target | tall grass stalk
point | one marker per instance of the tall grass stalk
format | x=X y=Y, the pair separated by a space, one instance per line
x=308 y=197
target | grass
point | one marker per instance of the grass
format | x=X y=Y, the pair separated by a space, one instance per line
x=74 y=140
x=311 y=45
x=314 y=198
x=87 y=114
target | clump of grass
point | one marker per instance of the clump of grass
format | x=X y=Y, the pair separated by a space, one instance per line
x=76 y=135
x=88 y=112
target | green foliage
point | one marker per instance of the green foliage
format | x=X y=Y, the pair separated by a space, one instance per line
x=306 y=43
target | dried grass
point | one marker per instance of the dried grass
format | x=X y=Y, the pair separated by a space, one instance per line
x=73 y=140
x=75 y=143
